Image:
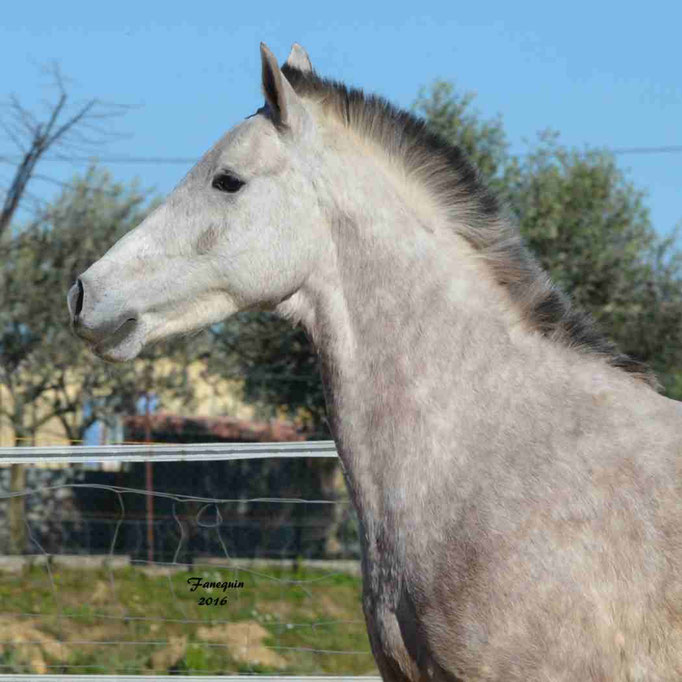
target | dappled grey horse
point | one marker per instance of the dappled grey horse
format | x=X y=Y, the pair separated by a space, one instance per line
x=516 y=479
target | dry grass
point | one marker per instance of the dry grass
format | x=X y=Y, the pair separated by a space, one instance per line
x=129 y=622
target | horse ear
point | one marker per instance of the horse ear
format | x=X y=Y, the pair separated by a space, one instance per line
x=282 y=101
x=298 y=59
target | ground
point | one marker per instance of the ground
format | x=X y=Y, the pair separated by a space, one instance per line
x=125 y=621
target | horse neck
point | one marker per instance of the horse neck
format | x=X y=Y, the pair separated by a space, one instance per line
x=431 y=376
x=432 y=380
x=404 y=318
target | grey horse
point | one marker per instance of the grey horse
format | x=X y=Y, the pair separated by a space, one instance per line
x=517 y=480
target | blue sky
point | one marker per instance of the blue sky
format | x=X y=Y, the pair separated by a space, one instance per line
x=601 y=73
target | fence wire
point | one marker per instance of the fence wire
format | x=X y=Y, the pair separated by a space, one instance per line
x=240 y=585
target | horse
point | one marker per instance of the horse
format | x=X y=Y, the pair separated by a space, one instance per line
x=516 y=478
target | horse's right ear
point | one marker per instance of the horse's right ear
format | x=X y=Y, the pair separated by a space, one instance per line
x=298 y=59
x=283 y=102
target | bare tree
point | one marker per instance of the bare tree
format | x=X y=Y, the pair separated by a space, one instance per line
x=66 y=127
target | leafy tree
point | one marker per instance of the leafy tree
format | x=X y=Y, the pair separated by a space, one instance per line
x=45 y=372
x=280 y=372
x=449 y=114
x=278 y=365
x=590 y=229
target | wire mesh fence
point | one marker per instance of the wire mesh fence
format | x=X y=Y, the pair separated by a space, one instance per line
x=244 y=563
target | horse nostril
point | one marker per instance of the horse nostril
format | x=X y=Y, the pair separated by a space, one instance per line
x=79 y=300
x=75 y=299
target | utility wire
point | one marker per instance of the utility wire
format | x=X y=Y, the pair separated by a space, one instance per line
x=169 y=160
x=666 y=149
x=180 y=160
x=158 y=160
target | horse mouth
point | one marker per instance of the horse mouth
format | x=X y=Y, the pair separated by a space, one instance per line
x=124 y=344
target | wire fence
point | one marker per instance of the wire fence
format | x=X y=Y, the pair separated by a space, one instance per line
x=242 y=583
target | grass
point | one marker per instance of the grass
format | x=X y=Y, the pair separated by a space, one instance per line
x=126 y=621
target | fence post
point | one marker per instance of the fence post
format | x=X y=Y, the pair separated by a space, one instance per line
x=17 y=509
x=149 y=485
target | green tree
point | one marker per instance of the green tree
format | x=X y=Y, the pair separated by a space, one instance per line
x=450 y=115
x=280 y=372
x=278 y=365
x=46 y=372
x=592 y=232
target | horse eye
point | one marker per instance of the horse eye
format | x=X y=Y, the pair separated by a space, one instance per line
x=225 y=182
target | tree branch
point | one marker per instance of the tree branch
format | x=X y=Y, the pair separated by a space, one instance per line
x=34 y=138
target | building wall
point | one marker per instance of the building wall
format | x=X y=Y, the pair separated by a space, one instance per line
x=213 y=397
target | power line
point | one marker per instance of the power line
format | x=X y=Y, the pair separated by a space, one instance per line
x=82 y=186
x=168 y=160
x=158 y=160
x=666 y=149
x=181 y=160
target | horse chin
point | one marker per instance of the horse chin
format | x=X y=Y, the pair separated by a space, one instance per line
x=122 y=346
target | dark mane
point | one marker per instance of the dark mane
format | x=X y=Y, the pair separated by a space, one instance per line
x=474 y=210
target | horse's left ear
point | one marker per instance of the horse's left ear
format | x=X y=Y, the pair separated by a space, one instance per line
x=298 y=59
x=285 y=106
